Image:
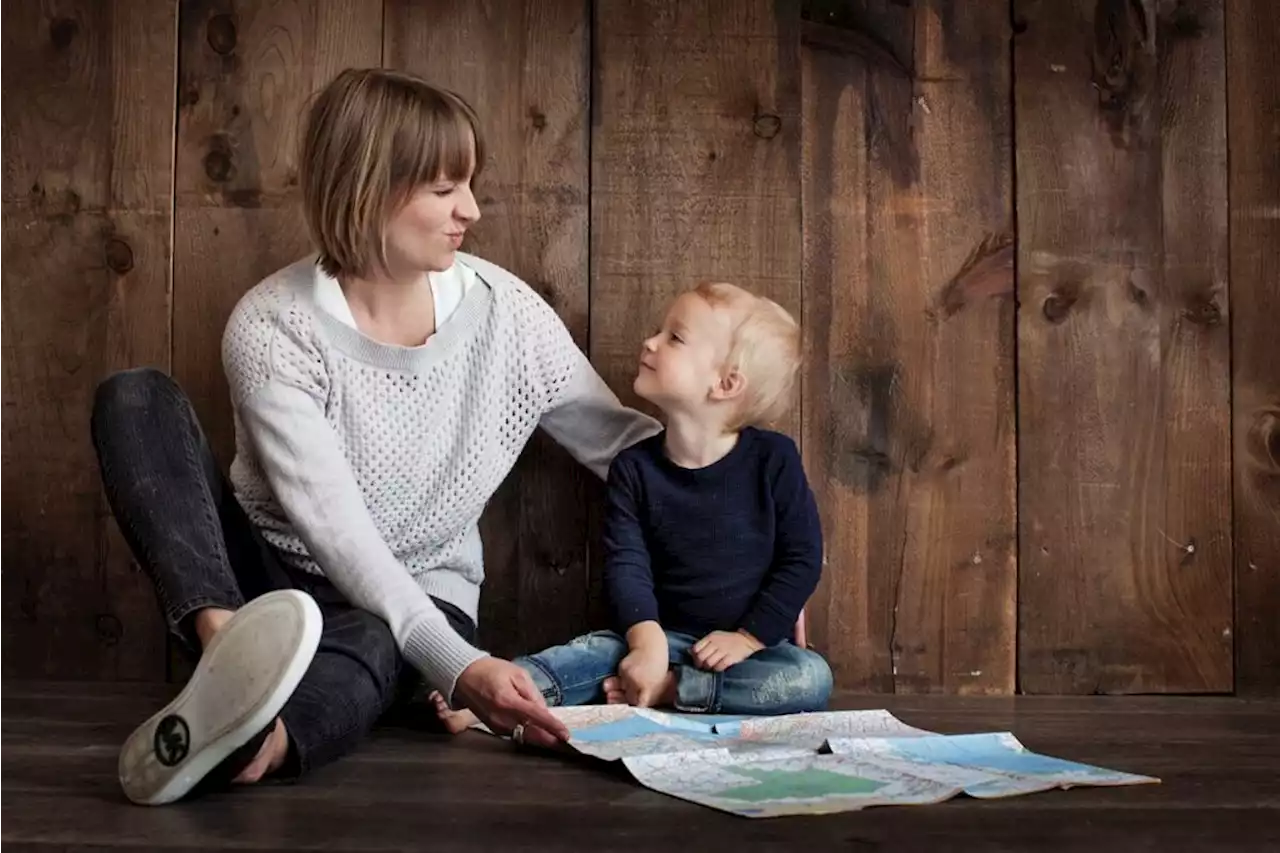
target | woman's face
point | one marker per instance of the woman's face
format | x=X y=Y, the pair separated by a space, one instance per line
x=425 y=233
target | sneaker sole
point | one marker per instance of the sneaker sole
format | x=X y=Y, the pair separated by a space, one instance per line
x=242 y=681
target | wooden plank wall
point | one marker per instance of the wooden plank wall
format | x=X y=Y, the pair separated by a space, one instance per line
x=1123 y=348
x=1032 y=249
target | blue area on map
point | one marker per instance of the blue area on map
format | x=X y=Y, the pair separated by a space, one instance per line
x=988 y=751
x=640 y=727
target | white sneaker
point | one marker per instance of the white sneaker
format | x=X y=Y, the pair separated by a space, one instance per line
x=224 y=713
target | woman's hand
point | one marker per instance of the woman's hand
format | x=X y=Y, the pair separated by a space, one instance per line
x=502 y=696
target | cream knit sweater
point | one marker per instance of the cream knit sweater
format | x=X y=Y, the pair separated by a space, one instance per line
x=371 y=464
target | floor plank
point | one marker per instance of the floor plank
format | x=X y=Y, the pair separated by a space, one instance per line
x=406 y=790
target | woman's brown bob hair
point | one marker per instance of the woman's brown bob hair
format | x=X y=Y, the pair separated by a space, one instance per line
x=371 y=138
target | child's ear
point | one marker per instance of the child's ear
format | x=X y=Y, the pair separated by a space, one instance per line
x=731 y=385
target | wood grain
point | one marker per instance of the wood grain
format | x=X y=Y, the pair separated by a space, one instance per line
x=1219 y=788
x=88 y=130
x=908 y=416
x=695 y=157
x=1253 y=103
x=246 y=72
x=1125 y=517
x=525 y=68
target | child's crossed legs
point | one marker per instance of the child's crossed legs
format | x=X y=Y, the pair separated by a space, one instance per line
x=781 y=679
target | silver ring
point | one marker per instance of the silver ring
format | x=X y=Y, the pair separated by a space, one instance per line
x=517 y=734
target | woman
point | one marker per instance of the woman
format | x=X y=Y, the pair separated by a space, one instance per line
x=382 y=390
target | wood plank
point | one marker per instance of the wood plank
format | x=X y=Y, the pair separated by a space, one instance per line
x=1125 y=519
x=908 y=419
x=88 y=131
x=1219 y=788
x=1253 y=102
x=246 y=72
x=695 y=157
x=524 y=67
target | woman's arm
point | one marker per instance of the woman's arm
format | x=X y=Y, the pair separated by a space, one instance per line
x=590 y=422
x=299 y=454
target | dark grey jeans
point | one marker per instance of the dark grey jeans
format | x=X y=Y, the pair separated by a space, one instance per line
x=188 y=532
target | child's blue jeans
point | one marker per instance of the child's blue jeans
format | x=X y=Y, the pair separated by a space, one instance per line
x=781 y=679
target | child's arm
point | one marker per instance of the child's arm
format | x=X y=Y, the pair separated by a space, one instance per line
x=628 y=575
x=797 y=556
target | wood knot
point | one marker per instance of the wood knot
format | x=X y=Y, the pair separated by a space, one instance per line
x=1203 y=311
x=218 y=164
x=119 y=256
x=1059 y=303
x=1019 y=25
x=1182 y=23
x=62 y=31
x=1262 y=441
x=538 y=119
x=221 y=34
x=1137 y=295
x=766 y=125
x=190 y=97
x=108 y=628
x=546 y=291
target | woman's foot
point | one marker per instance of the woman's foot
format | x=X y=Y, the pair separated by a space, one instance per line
x=666 y=698
x=270 y=757
x=456 y=722
x=225 y=725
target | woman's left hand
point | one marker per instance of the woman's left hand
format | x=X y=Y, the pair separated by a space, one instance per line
x=504 y=698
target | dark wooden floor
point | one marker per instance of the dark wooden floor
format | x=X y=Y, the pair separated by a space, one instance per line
x=1219 y=759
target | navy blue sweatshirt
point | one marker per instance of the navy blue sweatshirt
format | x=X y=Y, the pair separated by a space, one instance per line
x=737 y=544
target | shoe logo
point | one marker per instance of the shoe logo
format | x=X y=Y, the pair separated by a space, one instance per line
x=172 y=740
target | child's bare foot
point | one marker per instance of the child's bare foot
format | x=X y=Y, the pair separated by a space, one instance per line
x=613 y=692
x=665 y=698
x=456 y=722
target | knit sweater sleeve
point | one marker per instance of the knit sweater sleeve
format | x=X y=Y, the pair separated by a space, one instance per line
x=583 y=415
x=279 y=385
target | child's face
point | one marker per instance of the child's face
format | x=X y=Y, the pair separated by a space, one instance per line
x=425 y=233
x=681 y=366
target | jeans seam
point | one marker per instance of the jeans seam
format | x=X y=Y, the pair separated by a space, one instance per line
x=557 y=690
x=713 y=695
x=194 y=459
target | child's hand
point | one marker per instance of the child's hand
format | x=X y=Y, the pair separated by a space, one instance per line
x=720 y=650
x=642 y=676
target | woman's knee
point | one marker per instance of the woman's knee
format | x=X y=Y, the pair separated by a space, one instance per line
x=129 y=393
x=357 y=645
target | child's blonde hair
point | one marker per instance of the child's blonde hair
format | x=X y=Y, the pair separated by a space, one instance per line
x=372 y=137
x=764 y=350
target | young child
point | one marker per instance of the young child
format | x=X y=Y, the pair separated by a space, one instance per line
x=712 y=541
